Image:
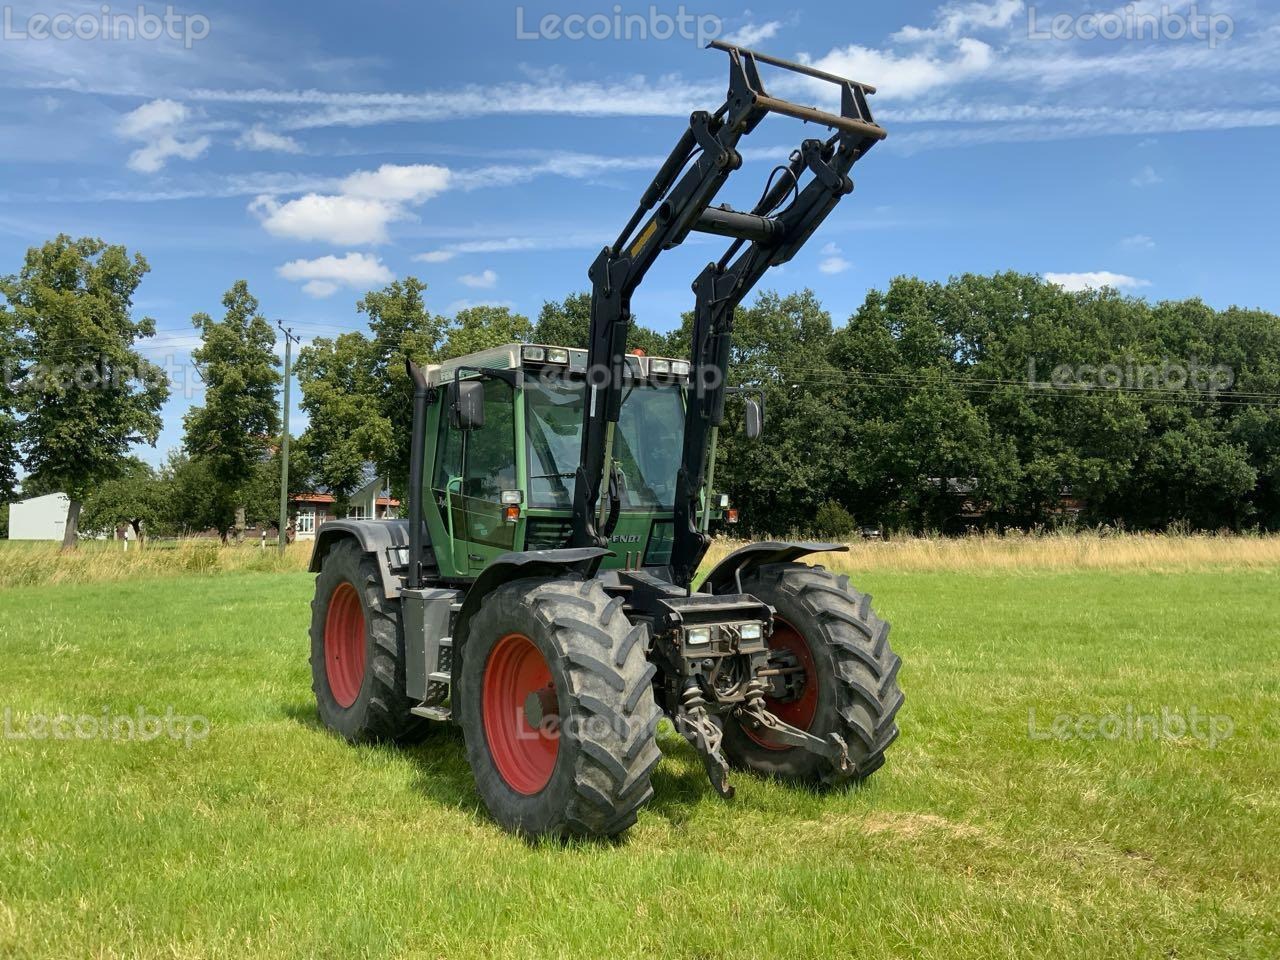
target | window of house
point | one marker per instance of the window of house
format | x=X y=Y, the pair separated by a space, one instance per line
x=306 y=522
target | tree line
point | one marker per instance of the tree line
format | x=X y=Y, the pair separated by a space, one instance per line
x=982 y=401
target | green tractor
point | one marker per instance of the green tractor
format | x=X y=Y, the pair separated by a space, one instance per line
x=541 y=592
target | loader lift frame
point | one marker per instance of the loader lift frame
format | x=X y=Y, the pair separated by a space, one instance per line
x=683 y=204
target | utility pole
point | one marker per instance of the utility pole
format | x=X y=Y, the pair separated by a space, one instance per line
x=289 y=341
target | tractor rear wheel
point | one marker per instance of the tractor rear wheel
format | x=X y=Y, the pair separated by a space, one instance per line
x=555 y=699
x=357 y=652
x=843 y=680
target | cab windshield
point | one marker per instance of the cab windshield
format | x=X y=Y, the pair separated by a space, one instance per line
x=647 y=443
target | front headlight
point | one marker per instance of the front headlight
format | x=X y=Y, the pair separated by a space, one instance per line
x=697 y=636
x=751 y=631
x=659 y=367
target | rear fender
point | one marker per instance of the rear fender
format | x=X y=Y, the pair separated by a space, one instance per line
x=386 y=540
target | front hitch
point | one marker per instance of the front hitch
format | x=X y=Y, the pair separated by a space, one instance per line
x=753 y=713
x=696 y=725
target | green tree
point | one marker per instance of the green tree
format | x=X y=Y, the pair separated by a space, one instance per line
x=779 y=351
x=567 y=323
x=564 y=323
x=262 y=492
x=401 y=325
x=235 y=429
x=87 y=395
x=9 y=378
x=342 y=397
x=190 y=503
x=479 y=328
x=136 y=497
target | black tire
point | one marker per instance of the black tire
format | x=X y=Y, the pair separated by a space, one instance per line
x=380 y=710
x=856 y=674
x=607 y=747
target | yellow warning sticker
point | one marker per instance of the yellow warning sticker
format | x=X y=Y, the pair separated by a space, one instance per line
x=643 y=238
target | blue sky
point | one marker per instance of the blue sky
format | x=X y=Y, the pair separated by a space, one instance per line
x=321 y=149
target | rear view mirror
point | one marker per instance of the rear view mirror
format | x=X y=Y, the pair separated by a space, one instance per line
x=753 y=420
x=466 y=404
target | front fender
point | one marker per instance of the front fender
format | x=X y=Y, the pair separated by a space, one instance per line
x=573 y=561
x=724 y=577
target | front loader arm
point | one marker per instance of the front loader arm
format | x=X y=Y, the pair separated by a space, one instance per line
x=681 y=202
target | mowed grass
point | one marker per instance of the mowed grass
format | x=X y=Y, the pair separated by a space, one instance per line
x=272 y=838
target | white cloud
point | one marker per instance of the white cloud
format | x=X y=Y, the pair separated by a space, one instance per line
x=1138 y=241
x=832 y=262
x=325 y=275
x=485 y=280
x=158 y=125
x=952 y=19
x=415 y=183
x=569 y=239
x=905 y=76
x=369 y=201
x=153 y=157
x=152 y=118
x=349 y=221
x=319 y=288
x=259 y=138
x=751 y=34
x=1146 y=177
x=1095 y=280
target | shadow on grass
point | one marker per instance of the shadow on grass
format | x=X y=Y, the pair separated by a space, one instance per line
x=443 y=777
x=303 y=712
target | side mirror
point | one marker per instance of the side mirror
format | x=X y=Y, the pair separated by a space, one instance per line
x=466 y=404
x=753 y=420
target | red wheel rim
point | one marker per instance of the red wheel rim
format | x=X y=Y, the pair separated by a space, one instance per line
x=800 y=711
x=523 y=755
x=344 y=645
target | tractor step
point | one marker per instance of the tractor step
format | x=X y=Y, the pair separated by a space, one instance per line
x=432 y=713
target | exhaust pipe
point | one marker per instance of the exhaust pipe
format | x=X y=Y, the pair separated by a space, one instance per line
x=417 y=451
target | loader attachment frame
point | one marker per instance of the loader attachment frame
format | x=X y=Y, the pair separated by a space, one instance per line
x=677 y=202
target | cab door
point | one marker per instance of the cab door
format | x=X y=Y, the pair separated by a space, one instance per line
x=473 y=468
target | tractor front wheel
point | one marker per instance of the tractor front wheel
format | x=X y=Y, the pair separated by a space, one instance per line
x=841 y=675
x=555 y=699
x=357 y=652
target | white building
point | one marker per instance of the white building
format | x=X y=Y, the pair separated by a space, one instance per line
x=372 y=501
x=40 y=518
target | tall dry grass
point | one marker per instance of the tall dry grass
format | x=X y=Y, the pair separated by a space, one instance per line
x=34 y=564
x=990 y=553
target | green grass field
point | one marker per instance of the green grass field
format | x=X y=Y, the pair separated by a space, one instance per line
x=979 y=838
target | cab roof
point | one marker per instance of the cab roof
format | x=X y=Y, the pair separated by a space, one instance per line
x=513 y=356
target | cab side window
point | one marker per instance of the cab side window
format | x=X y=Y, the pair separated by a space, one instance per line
x=489 y=465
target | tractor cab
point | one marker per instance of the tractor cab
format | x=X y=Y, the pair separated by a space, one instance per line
x=503 y=440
